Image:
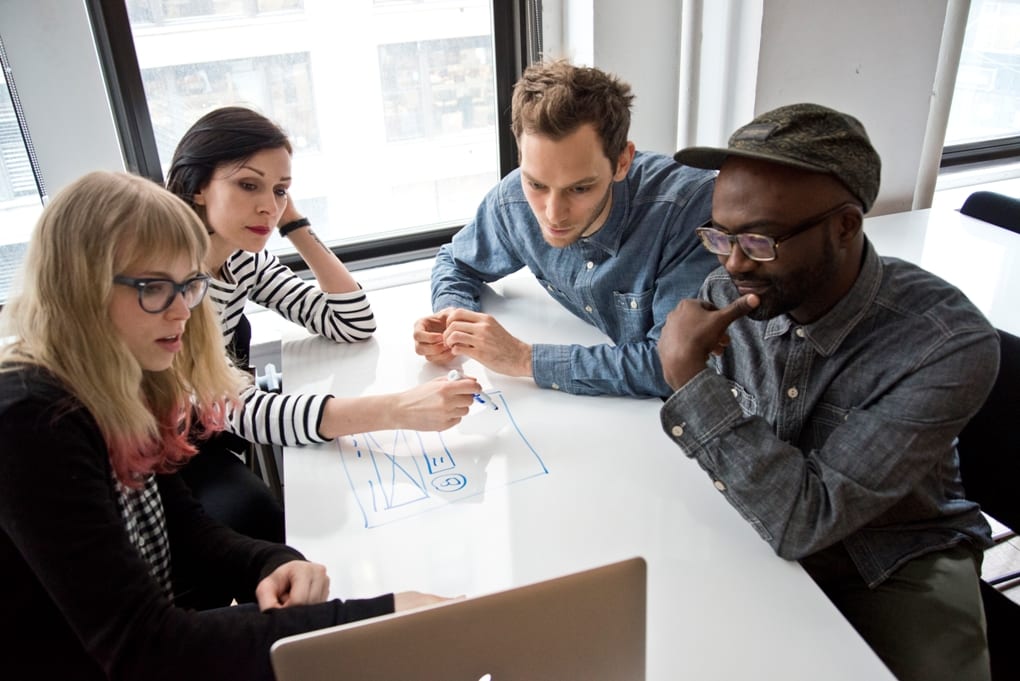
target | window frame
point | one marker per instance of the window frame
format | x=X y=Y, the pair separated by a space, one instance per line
x=514 y=47
x=992 y=149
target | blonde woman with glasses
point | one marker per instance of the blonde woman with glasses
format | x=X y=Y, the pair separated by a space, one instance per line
x=113 y=369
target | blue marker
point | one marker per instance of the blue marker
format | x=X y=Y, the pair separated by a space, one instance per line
x=480 y=397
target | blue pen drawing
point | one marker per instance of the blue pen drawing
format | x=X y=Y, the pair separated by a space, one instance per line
x=395 y=474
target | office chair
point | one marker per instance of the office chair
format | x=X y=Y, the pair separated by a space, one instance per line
x=260 y=458
x=995 y=208
x=989 y=450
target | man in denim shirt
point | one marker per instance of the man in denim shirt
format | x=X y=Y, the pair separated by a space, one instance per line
x=608 y=232
x=837 y=383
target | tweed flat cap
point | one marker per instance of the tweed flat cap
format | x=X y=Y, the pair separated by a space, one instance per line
x=807 y=136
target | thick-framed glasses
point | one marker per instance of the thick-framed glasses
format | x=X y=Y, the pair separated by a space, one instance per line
x=156 y=295
x=759 y=247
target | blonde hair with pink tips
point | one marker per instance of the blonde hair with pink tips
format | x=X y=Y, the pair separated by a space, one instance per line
x=101 y=225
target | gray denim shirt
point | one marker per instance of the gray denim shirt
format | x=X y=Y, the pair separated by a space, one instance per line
x=844 y=430
x=624 y=279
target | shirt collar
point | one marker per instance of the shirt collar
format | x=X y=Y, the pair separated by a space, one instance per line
x=827 y=333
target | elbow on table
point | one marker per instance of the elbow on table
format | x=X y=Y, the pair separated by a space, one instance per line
x=789 y=548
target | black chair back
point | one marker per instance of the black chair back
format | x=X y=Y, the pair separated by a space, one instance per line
x=989 y=449
x=989 y=445
x=995 y=208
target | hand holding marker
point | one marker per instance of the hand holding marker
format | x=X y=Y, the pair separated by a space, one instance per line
x=480 y=397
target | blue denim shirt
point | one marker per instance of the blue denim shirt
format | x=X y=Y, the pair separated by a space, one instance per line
x=624 y=279
x=844 y=430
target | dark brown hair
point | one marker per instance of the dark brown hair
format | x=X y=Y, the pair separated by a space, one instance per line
x=232 y=134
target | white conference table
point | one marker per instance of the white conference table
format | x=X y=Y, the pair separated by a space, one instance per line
x=979 y=258
x=571 y=482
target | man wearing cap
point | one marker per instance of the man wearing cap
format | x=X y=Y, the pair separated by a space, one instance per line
x=835 y=386
x=607 y=231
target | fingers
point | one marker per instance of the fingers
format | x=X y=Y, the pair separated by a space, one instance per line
x=438 y=353
x=428 y=339
x=410 y=600
x=458 y=396
x=297 y=582
x=740 y=307
x=483 y=339
x=266 y=594
x=466 y=386
x=308 y=585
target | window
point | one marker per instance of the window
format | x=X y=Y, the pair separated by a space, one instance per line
x=164 y=11
x=278 y=85
x=20 y=193
x=984 y=121
x=391 y=106
x=436 y=87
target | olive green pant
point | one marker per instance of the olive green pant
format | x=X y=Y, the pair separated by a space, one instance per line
x=925 y=621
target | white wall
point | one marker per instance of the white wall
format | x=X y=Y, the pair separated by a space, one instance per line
x=876 y=59
x=720 y=43
x=638 y=40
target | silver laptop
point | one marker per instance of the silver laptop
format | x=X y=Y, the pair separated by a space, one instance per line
x=588 y=625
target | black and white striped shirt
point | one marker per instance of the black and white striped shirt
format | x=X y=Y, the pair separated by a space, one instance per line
x=267 y=417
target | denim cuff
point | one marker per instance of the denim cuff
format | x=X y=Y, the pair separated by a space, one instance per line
x=445 y=300
x=550 y=365
x=699 y=411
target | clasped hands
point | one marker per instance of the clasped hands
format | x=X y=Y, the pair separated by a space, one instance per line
x=455 y=332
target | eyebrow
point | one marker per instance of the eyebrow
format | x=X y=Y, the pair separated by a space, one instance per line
x=154 y=274
x=586 y=180
x=260 y=173
x=743 y=228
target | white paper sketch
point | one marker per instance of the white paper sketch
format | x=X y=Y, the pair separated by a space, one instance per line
x=399 y=473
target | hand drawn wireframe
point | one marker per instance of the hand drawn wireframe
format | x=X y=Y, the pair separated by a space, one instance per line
x=396 y=474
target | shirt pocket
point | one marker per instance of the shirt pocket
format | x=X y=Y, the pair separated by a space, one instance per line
x=748 y=402
x=633 y=313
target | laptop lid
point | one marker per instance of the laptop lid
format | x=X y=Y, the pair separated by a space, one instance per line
x=587 y=625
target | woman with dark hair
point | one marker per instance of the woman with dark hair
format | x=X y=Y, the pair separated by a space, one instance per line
x=234 y=168
x=112 y=367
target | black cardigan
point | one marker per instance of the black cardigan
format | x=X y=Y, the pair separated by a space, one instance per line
x=80 y=603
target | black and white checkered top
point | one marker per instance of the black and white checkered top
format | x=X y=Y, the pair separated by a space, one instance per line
x=142 y=511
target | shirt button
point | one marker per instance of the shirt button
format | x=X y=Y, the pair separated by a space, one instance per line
x=590 y=264
x=792 y=393
x=734 y=391
x=633 y=304
x=677 y=431
x=720 y=485
x=555 y=386
x=587 y=308
x=799 y=332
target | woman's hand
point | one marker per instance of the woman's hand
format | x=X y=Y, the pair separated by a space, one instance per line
x=290 y=211
x=295 y=583
x=436 y=405
x=409 y=600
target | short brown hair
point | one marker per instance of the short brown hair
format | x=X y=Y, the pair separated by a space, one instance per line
x=555 y=98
